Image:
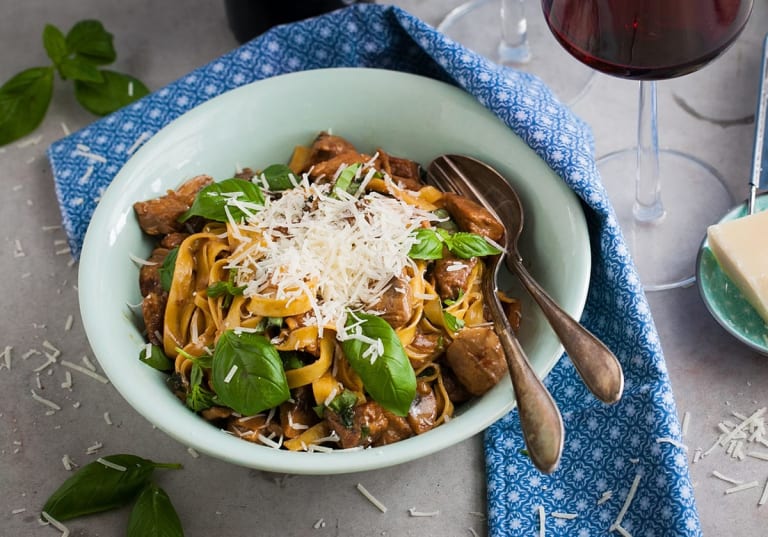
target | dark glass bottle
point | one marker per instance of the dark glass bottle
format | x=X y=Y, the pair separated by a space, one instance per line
x=249 y=18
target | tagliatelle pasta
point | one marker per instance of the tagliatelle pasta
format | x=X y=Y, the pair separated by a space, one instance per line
x=321 y=305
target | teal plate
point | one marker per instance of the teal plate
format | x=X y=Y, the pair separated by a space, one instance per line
x=724 y=300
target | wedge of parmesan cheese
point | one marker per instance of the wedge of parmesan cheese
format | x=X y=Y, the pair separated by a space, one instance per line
x=739 y=247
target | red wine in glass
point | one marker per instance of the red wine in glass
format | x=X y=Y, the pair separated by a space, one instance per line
x=646 y=39
x=649 y=40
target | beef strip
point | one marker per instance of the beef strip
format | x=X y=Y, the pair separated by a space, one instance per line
x=451 y=276
x=396 y=304
x=154 y=296
x=423 y=412
x=368 y=423
x=473 y=217
x=477 y=359
x=326 y=146
x=159 y=216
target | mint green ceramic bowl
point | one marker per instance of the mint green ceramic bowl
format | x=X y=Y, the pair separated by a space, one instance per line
x=723 y=299
x=259 y=124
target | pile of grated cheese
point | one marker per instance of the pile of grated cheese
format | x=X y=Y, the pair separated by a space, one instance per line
x=337 y=249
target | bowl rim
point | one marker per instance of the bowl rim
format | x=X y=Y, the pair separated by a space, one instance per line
x=235 y=450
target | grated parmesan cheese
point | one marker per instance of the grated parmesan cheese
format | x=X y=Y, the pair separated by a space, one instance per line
x=414 y=513
x=110 y=464
x=56 y=524
x=542 y=520
x=743 y=486
x=616 y=526
x=380 y=506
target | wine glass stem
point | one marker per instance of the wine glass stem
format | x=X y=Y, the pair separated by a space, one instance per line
x=513 y=47
x=648 y=206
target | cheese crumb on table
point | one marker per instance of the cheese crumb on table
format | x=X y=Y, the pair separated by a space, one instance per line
x=735 y=246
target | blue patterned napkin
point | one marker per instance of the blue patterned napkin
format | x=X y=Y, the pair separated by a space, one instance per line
x=622 y=471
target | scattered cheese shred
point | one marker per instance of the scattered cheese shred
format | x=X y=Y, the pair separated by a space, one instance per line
x=107 y=418
x=68 y=463
x=56 y=524
x=566 y=516
x=193 y=452
x=743 y=486
x=6 y=356
x=319 y=524
x=380 y=506
x=764 y=495
x=542 y=520
x=94 y=448
x=85 y=371
x=110 y=464
x=726 y=478
x=50 y=404
x=686 y=421
x=616 y=526
x=672 y=441
x=607 y=495
x=18 y=511
x=230 y=374
x=415 y=513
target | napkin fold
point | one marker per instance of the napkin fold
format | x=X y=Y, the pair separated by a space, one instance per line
x=622 y=470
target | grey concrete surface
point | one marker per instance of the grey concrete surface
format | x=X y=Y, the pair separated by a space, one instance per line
x=712 y=374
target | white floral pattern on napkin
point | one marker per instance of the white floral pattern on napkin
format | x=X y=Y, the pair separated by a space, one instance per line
x=608 y=449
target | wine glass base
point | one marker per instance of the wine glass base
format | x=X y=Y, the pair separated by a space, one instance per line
x=694 y=196
x=477 y=25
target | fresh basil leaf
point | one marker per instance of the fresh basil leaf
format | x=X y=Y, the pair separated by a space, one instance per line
x=24 y=100
x=153 y=515
x=345 y=178
x=291 y=360
x=259 y=381
x=212 y=202
x=278 y=177
x=96 y=487
x=389 y=378
x=428 y=245
x=467 y=245
x=114 y=92
x=199 y=398
x=167 y=268
x=344 y=405
x=90 y=40
x=452 y=323
x=155 y=358
x=446 y=222
x=55 y=43
x=79 y=69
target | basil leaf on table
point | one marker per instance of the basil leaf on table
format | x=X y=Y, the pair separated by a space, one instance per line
x=212 y=202
x=113 y=92
x=153 y=515
x=258 y=382
x=55 y=43
x=90 y=40
x=428 y=245
x=97 y=487
x=467 y=245
x=278 y=177
x=79 y=69
x=24 y=100
x=389 y=378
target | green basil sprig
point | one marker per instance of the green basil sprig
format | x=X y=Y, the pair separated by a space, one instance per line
x=77 y=56
x=278 y=177
x=97 y=487
x=389 y=378
x=154 y=356
x=166 y=269
x=464 y=245
x=258 y=382
x=345 y=180
x=153 y=515
x=213 y=201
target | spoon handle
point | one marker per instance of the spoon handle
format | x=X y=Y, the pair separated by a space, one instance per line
x=597 y=365
x=540 y=419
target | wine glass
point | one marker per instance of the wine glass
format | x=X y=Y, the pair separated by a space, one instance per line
x=513 y=33
x=649 y=40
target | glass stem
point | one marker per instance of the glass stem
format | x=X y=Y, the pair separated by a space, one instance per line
x=513 y=47
x=648 y=206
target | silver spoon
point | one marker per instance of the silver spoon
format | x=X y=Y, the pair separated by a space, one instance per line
x=597 y=365
x=540 y=419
